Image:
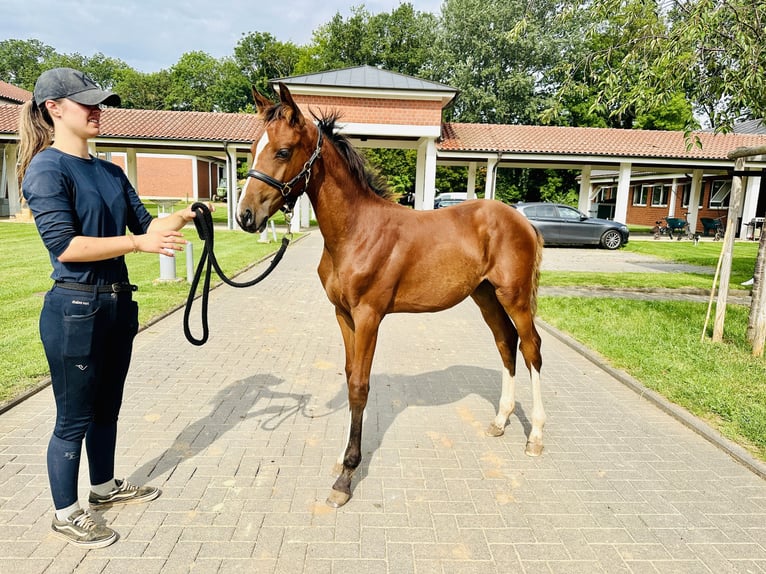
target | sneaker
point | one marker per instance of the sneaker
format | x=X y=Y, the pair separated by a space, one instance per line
x=125 y=493
x=81 y=530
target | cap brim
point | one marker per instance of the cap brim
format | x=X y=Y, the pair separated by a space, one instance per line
x=96 y=97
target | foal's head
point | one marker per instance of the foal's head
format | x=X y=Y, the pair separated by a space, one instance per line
x=285 y=157
x=283 y=161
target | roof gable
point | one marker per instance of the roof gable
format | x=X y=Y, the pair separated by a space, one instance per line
x=366 y=77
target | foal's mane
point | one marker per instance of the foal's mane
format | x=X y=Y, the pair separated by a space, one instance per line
x=356 y=162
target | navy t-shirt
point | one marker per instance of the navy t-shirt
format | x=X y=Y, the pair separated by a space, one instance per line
x=71 y=196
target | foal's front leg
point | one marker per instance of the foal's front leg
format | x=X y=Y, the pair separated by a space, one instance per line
x=362 y=337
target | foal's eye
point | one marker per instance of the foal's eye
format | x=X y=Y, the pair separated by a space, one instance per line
x=284 y=153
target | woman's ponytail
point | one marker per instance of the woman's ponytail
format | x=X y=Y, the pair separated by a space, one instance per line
x=35 y=134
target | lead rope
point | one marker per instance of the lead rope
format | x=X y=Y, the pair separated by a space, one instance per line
x=204 y=224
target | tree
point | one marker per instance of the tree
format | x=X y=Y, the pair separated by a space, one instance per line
x=399 y=42
x=494 y=51
x=261 y=58
x=22 y=61
x=713 y=51
x=143 y=91
x=202 y=83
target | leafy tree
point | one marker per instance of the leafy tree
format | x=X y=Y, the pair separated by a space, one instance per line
x=713 y=51
x=143 y=91
x=202 y=83
x=21 y=61
x=493 y=51
x=261 y=58
x=399 y=42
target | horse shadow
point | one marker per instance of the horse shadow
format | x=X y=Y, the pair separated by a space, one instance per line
x=229 y=408
x=390 y=396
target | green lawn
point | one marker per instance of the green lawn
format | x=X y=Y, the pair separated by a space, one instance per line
x=658 y=342
x=26 y=277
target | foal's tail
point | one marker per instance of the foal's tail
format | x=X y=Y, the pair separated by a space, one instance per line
x=536 y=263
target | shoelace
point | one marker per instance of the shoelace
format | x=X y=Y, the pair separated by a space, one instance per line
x=125 y=486
x=84 y=521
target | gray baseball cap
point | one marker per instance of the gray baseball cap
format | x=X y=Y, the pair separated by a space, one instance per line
x=74 y=85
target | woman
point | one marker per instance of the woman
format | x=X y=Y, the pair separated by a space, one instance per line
x=82 y=206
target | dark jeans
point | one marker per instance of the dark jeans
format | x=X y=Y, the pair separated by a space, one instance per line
x=88 y=341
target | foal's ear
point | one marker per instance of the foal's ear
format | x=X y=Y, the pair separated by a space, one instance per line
x=292 y=112
x=261 y=102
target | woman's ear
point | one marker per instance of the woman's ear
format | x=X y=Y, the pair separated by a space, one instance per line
x=53 y=107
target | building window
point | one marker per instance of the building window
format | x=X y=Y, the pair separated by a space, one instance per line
x=685 y=190
x=640 y=194
x=720 y=191
x=660 y=195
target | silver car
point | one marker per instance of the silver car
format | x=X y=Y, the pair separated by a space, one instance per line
x=565 y=225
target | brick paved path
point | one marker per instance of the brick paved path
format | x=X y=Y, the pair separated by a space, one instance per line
x=241 y=434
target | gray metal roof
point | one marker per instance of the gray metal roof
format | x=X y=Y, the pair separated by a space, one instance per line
x=365 y=77
x=750 y=127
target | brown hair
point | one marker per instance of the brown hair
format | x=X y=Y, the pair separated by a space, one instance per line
x=35 y=134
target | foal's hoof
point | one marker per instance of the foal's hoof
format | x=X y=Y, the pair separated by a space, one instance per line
x=337 y=498
x=533 y=449
x=494 y=430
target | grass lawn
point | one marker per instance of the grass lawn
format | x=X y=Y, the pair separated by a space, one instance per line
x=658 y=342
x=26 y=277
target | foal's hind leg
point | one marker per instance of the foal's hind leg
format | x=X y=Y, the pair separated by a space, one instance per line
x=524 y=320
x=506 y=339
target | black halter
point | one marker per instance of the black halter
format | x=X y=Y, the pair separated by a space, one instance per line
x=286 y=189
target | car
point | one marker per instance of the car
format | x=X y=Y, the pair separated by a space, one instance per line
x=564 y=225
x=447 y=199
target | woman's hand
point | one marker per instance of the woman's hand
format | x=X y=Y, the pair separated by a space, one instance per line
x=162 y=241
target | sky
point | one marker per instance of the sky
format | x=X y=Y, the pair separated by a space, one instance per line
x=151 y=35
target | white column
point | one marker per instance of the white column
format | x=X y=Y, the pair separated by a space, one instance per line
x=232 y=197
x=623 y=192
x=750 y=204
x=11 y=177
x=696 y=190
x=584 y=199
x=425 y=179
x=131 y=168
x=305 y=212
x=471 y=188
x=673 y=199
x=489 y=185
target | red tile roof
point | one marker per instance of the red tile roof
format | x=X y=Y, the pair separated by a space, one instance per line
x=168 y=125
x=14 y=93
x=590 y=141
x=122 y=123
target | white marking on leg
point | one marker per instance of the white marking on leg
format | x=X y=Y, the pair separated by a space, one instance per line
x=507 y=400
x=538 y=413
x=339 y=462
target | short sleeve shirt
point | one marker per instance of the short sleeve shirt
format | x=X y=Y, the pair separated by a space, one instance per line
x=70 y=196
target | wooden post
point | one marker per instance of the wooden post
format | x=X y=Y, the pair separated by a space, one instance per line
x=726 y=250
x=756 y=324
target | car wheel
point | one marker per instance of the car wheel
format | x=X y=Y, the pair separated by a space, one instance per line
x=611 y=239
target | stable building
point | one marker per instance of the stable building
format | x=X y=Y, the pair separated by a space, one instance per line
x=634 y=176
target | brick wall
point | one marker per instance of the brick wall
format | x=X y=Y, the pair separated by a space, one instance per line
x=373 y=110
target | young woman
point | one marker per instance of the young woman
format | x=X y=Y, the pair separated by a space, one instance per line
x=82 y=207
